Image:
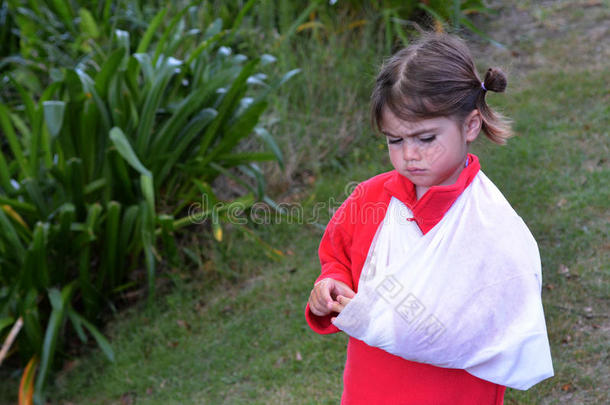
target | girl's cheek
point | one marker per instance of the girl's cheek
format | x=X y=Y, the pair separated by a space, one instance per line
x=394 y=151
x=432 y=152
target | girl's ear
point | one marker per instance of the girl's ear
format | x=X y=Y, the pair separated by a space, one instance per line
x=472 y=125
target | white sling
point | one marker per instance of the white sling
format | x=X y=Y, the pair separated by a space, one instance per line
x=465 y=295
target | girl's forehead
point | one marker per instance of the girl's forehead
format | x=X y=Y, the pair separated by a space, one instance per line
x=396 y=125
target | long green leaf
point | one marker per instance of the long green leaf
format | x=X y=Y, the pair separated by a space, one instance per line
x=203 y=46
x=122 y=38
x=255 y=173
x=277 y=83
x=167 y=236
x=64 y=10
x=146 y=183
x=168 y=31
x=95 y=185
x=150 y=31
x=227 y=105
x=102 y=342
x=126 y=236
x=28 y=101
x=239 y=18
x=38 y=252
x=242 y=127
x=90 y=91
x=59 y=302
x=5 y=179
x=92 y=221
x=36 y=195
x=31 y=319
x=187 y=138
x=119 y=172
x=152 y=101
x=466 y=22
x=18 y=205
x=74 y=178
x=54 y=115
x=13 y=141
x=213 y=29
x=456 y=13
x=285 y=35
x=147 y=238
x=271 y=144
x=87 y=23
x=9 y=236
x=109 y=70
x=124 y=148
x=77 y=324
x=85 y=278
x=236 y=159
x=67 y=214
x=23 y=230
x=169 y=132
x=109 y=264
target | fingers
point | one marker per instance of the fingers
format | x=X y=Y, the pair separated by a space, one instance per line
x=340 y=288
x=340 y=303
x=320 y=300
x=318 y=307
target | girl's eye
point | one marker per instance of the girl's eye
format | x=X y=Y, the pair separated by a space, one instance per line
x=427 y=139
x=394 y=141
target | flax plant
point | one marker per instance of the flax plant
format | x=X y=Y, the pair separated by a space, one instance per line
x=85 y=164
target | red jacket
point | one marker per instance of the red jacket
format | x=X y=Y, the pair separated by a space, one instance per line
x=373 y=376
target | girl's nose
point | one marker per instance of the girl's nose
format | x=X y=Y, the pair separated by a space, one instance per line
x=410 y=151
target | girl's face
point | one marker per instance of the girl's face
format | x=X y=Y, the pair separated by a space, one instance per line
x=429 y=152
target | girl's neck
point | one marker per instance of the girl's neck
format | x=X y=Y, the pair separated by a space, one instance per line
x=420 y=191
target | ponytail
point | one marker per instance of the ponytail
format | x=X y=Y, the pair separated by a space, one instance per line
x=495 y=126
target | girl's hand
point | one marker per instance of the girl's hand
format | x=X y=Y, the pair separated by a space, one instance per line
x=339 y=304
x=329 y=295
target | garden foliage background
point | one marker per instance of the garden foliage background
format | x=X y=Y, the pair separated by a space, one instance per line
x=174 y=166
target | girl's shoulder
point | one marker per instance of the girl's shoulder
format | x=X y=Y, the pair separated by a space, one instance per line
x=375 y=184
x=366 y=192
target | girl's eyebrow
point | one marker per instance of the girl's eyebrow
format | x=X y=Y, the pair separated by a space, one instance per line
x=415 y=133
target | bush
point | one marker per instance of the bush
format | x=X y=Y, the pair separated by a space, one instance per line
x=86 y=163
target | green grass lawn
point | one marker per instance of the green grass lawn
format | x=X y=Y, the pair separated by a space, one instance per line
x=233 y=330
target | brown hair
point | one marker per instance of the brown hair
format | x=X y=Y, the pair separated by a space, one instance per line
x=433 y=77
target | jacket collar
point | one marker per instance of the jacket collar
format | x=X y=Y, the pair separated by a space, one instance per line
x=433 y=205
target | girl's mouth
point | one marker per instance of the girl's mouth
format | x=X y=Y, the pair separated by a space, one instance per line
x=415 y=170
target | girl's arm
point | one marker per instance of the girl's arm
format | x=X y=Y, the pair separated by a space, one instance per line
x=336 y=276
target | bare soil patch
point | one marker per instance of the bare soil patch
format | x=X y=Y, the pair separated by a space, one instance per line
x=549 y=35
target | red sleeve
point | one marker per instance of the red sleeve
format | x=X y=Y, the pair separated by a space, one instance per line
x=334 y=252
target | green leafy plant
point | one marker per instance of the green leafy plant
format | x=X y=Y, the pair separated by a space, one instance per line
x=455 y=14
x=86 y=163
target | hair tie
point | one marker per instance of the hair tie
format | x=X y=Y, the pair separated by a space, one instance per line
x=483 y=86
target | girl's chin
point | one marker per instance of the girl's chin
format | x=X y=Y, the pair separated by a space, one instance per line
x=418 y=178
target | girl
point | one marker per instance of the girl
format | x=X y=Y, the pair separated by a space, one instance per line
x=427 y=267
